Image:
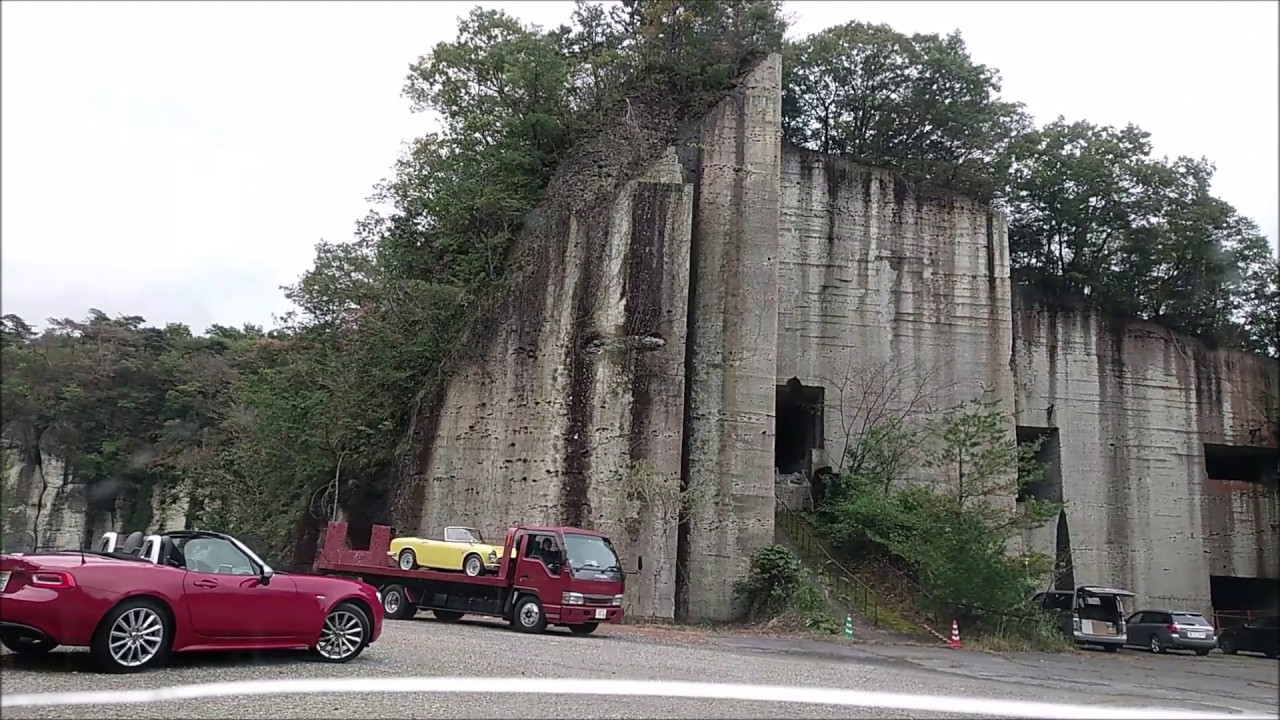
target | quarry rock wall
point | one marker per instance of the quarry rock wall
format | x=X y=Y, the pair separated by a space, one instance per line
x=46 y=506
x=894 y=295
x=1142 y=417
x=576 y=412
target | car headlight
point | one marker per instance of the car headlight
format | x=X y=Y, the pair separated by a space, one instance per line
x=493 y=556
x=617 y=600
x=571 y=598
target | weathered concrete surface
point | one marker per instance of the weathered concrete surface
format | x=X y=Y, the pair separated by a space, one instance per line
x=733 y=351
x=893 y=295
x=574 y=415
x=1134 y=405
x=639 y=376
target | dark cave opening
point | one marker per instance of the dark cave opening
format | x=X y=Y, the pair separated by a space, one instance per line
x=799 y=428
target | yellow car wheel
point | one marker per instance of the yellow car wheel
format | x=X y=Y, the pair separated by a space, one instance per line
x=473 y=565
x=407 y=560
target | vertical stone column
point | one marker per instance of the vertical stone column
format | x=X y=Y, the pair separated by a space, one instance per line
x=731 y=365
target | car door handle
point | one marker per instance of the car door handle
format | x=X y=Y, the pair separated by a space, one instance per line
x=205 y=583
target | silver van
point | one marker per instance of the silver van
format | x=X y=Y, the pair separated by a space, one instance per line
x=1091 y=614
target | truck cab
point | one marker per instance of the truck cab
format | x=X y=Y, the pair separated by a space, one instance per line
x=575 y=575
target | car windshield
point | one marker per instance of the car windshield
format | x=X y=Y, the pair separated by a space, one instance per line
x=590 y=552
x=1190 y=619
x=460 y=534
x=216 y=555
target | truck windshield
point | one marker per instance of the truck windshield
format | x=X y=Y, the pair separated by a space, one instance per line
x=591 y=552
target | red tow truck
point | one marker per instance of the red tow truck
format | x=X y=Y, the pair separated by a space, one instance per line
x=579 y=589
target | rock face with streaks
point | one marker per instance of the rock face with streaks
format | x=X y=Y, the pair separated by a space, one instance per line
x=705 y=343
x=47 y=506
x=1166 y=454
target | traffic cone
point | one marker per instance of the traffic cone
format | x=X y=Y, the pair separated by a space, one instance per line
x=848 y=626
x=955 y=636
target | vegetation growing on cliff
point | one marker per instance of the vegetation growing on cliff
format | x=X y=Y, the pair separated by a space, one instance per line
x=949 y=545
x=269 y=430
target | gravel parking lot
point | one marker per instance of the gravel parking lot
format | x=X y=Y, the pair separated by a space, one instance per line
x=428 y=647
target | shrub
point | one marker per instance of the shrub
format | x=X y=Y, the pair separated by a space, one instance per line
x=772 y=581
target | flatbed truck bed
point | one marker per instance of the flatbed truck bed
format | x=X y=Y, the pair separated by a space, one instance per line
x=527 y=590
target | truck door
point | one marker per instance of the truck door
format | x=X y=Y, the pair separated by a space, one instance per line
x=540 y=570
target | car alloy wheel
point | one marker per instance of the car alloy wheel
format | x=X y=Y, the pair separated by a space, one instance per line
x=408 y=560
x=1228 y=647
x=136 y=637
x=1156 y=647
x=473 y=566
x=343 y=634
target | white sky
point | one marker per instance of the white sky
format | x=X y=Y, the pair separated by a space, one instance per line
x=180 y=160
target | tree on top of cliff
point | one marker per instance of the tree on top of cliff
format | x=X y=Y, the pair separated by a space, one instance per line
x=1092 y=213
x=917 y=103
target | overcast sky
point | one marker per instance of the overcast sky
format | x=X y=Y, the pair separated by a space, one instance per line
x=180 y=160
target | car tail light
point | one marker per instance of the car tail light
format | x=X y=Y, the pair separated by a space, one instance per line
x=47 y=579
x=1171 y=628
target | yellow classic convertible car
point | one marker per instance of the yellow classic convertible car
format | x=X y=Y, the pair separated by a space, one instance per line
x=463 y=549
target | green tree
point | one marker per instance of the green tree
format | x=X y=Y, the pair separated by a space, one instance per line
x=1095 y=216
x=917 y=103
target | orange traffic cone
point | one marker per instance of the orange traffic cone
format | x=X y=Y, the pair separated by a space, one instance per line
x=955 y=636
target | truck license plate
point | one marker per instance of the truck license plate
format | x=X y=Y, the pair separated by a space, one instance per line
x=599 y=613
x=4 y=581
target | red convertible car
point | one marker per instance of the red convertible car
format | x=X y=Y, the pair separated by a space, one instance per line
x=133 y=602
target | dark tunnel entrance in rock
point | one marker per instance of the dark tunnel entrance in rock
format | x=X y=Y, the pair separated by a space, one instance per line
x=1238 y=599
x=799 y=427
x=1048 y=488
x=1242 y=463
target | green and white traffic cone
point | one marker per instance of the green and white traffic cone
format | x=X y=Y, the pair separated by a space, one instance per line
x=848 y=626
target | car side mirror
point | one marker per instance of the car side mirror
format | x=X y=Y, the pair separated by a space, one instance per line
x=265 y=576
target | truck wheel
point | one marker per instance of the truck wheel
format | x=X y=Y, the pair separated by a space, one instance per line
x=583 y=629
x=528 y=616
x=407 y=560
x=473 y=565
x=447 y=615
x=395 y=603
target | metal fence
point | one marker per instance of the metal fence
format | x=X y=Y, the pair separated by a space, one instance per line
x=1223 y=619
x=842 y=582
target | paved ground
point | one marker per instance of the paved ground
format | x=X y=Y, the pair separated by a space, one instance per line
x=428 y=647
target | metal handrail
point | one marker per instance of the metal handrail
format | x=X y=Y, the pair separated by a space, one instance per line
x=1223 y=619
x=843 y=582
